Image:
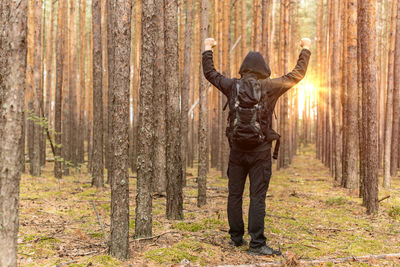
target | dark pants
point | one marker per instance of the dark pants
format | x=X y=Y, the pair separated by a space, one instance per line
x=258 y=166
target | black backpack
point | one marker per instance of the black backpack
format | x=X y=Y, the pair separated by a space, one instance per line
x=244 y=124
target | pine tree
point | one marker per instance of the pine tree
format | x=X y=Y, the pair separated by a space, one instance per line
x=121 y=35
x=13 y=28
x=173 y=116
x=97 y=147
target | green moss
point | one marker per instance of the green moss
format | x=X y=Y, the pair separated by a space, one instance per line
x=209 y=223
x=132 y=224
x=336 y=201
x=190 y=226
x=88 y=193
x=96 y=234
x=106 y=207
x=189 y=250
x=394 y=212
x=103 y=260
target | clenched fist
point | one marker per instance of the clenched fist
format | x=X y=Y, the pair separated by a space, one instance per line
x=305 y=43
x=209 y=43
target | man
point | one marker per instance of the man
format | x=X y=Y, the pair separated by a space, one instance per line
x=252 y=100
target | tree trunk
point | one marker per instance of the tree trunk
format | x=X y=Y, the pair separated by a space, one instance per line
x=394 y=165
x=121 y=34
x=186 y=84
x=203 y=115
x=59 y=79
x=37 y=88
x=159 y=160
x=335 y=85
x=97 y=150
x=351 y=128
x=173 y=116
x=146 y=128
x=13 y=18
x=243 y=30
x=82 y=83
x=256 y=23
x=370 y=103
x=389 y=99
x=110 y=104
x=136 y=79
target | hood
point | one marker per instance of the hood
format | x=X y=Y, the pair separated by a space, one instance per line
x=254 y=63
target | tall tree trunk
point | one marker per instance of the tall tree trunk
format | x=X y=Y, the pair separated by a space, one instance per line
x=335 y=85
x=111 y=65
x=394 y=165
x=146 y=129
x=186 y=84
x=351 y=128
x=256 y=23
x=203 y=115
x=159 y=160
x=82 y=83
x=369 y=98
x=59 y=80
x=72 y=83
x=389 y=99
x=225 y=60
x=13 y=17
x=266 y=17
x=37 y=88
x=173 y=116
x=97 y=153
x=66 y=129
x=136 y=79
x=243 y=30
x=284 y=153
x=121 y=35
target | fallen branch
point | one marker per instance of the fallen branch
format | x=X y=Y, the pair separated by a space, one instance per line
x=101 y=224
x=382 y=199
x=156 y=236
x=84 y=253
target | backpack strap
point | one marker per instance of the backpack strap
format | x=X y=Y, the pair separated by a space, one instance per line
x=237 y=93
x=276 y=150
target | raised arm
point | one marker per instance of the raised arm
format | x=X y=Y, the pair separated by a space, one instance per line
x=282 y=84
x=224 y=84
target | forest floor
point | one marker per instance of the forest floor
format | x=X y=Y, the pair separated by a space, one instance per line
x=308 y=217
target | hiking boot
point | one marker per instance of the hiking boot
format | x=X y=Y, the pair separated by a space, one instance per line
x=238 y=244
x=264 y=251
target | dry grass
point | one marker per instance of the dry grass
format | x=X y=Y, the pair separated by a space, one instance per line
x=308 y=216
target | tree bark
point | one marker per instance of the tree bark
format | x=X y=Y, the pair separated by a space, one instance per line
x=394 y=165
x=159 y=161
x=351 y=129
x=82 y=83
x=111 y=65
x=37 y=88
x=173 y=116
x=389 y=99
x=97 y=149
x=203 y=115
x=59 y=80
x=146 y=128
x=121 y=35
x=13 y=28
x=370 y=103
x=186 y=84
x=335 y=85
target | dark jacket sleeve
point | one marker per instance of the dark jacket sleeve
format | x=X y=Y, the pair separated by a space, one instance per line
x=279 y=86
x=224 y=84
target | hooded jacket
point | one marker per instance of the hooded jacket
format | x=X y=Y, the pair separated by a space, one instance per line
x=255 y=66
